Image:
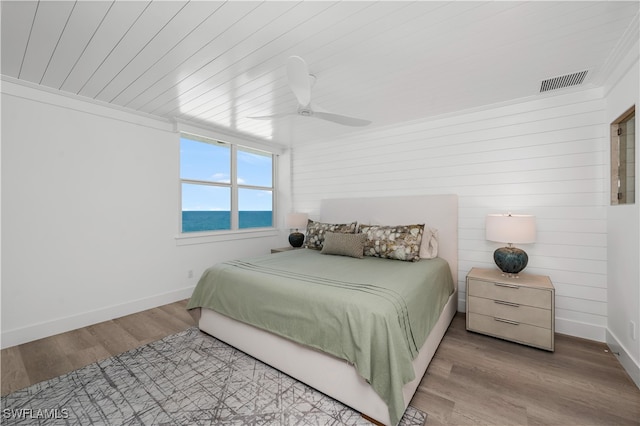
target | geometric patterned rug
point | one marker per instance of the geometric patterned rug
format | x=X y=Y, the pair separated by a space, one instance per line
x=184 y=379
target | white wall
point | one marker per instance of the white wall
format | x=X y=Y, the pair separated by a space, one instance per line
x=545 y=157
x=623 y=234
x=90 y=212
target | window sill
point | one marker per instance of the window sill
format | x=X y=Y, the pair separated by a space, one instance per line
x=217 y=236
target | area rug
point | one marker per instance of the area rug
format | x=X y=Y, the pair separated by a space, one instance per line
x=184 y=379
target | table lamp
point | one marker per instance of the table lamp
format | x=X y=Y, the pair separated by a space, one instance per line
x=511 y=229
x=296 y=221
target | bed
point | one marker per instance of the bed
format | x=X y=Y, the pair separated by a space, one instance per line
x=337 y=369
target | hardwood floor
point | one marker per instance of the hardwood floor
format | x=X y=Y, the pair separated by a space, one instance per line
x=476 y=379
x=473 y=379
x=43 y=359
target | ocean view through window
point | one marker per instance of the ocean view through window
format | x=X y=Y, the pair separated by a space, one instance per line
x=224 y=187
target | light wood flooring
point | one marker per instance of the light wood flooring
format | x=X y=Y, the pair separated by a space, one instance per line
x=476 y=379
x=473 y=379
x=43 y=359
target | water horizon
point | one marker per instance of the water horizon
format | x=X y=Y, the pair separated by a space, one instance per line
x=208 y=220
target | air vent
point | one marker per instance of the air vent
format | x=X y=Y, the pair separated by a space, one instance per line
x=563 y=81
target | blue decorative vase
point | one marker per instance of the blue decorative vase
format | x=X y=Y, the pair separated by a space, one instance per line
x=510 y=260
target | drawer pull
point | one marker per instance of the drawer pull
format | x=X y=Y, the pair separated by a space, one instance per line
x=502 y=302
x=507 y=285
x=507 y=321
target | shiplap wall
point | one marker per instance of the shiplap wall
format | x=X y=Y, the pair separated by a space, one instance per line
x=545 y=157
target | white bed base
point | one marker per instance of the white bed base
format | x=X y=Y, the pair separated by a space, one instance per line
x=328 y=374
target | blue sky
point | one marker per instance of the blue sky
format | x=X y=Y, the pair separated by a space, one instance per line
x=209 y=162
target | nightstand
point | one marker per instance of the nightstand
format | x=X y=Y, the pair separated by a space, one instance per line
x=281 y=249
x=520 y=309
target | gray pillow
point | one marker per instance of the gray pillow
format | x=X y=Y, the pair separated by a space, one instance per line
x=344 y=244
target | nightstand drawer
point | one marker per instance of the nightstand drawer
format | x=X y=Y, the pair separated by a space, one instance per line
x=512 y=311
x=509 y=293
x=518 y=332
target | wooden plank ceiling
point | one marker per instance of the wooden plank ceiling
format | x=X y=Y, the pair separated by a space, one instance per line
x=219 y=63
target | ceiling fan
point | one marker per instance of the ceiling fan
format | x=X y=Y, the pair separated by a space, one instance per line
x=301 y=82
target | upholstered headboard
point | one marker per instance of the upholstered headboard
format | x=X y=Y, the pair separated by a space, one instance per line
x=436 y=211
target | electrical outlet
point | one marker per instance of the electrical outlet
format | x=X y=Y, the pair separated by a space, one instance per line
x=633 y=331
x=190 y=273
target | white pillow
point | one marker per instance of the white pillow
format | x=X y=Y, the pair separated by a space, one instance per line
x=429 y=244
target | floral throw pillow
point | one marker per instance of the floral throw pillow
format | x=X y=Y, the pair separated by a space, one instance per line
x=400 y=242
x=316 y=232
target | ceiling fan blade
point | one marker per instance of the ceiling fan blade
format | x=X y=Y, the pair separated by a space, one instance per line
x=341 y=119
x=269 y=117
x=299 y=81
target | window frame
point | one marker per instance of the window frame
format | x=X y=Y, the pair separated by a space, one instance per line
x=620 y=162
x=235 y=232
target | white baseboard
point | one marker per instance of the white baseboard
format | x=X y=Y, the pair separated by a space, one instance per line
x=60 y=325
x=630 y=365
x=580 y=329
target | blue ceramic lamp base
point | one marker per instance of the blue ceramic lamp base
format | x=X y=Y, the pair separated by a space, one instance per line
x=296 y=239
x=510 y=260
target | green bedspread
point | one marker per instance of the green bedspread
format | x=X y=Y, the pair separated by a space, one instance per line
x=375 y=313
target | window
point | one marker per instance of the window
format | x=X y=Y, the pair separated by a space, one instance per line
x=224 y=186
x=623 y=154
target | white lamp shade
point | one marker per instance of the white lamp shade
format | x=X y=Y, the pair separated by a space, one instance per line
x=514 y=229
x=296 y=220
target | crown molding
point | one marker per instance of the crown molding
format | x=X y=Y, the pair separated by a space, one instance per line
x=620 y=52
x=35 y=92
